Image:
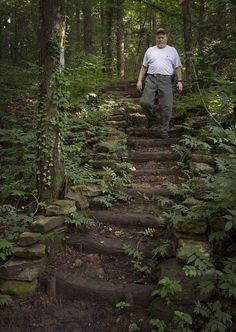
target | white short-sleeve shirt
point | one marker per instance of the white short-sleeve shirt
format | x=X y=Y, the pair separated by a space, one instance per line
x=161 y=60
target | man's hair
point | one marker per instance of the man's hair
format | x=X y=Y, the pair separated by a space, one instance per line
x=161 y=31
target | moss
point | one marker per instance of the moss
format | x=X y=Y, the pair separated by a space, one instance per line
x=18 y=288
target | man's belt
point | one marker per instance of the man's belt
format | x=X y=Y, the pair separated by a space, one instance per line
x=158 y=75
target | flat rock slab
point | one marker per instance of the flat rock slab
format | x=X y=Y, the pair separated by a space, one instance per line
x=157 y=156
x=153 y=132
x=44 y=224
x=152 y=191
x=104 y=245
x=191 y=226
x=29 y=238
x=61 y=207
x=21 y=269
x=190 y=246
x=18 y=288
x=153 y=171
x=151 y=142
x=125 y=218
x=103 y=291
x=34 y=251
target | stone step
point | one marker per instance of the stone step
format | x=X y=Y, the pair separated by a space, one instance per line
x=152 y=132
x=125 y=218
x=75 y=288
x=157 y=172
x=158 y=190
x=99 y=244
x=140 y=156
x=151 y=142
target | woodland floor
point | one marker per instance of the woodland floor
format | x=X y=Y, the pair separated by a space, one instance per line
x=98 y=253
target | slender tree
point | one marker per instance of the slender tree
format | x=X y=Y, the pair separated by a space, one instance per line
x=87 y=20
x=108 y=18
x=50 y=174
x=187 y=27
x=120 y=38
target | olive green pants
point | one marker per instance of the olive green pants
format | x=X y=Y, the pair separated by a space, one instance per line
x=158 y=86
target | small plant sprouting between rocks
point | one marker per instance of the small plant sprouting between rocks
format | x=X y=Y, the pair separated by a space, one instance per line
x=133 y=327
x=5 y=300
x=122 y=305
x=167 y=288
x=137 y=259
x=80 y=220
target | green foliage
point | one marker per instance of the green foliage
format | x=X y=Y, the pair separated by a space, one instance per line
x=216 y=319
x=5 y=300
x=167 y=288
x=122 y=305
x=163 y=248
x=6 y=249
x=227 y=279
x=159 y=324
x=182 y=321
x=133 y=327
x=149 y=232
x=137 y=259
x=197 y=264
x=80 y=220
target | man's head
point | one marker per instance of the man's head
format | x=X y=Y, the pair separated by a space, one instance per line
x=161 y=38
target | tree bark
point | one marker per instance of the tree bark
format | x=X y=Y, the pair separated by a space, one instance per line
x=50 y=168
x=120 y=38
x=78 y=24
x=109 y=11
x=187 y=24
x=87 y=16
x=103 y=46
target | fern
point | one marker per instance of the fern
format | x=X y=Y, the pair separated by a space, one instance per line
x=5 y=300
x=167 y=288
x=6 y=249
x=80 y=220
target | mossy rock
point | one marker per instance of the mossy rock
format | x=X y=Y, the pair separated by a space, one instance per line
x=190 y=246
x=61 y=207
x=29 y=238
x=45 y=224
x=191 y=226
x=18 y=288
x=34 y=251
x=21 y=269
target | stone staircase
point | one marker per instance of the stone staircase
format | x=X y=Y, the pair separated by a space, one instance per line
x=110 y=277
x=95 y=266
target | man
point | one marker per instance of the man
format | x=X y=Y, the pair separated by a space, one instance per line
x=160 y=62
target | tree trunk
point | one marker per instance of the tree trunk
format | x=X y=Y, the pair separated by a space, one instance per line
x=78 y=24
x=120 y=38
x=109 y=10
x=102 y=26
x=187 y=38
x=50 y=173
x=87 y=16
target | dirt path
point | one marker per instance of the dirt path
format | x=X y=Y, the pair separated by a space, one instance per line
x=94 y=274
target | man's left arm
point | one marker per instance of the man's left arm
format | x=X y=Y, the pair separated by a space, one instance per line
x=178 y=73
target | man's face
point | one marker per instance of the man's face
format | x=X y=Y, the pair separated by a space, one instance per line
x=161 y=40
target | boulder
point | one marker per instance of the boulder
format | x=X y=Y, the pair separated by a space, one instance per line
x=200 y=167
x=183 y=300
x=61 y=207
x=191 y=226
x=81 y=201
x=45 y=224
x=21 y=269
x=18 y=288
x=34 y=251
x=202 y=158
x=29 y=238
x=110 y=146
x=88 y=190
x=191 y=246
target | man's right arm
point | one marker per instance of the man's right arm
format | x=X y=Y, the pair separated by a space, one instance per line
x=141 y=77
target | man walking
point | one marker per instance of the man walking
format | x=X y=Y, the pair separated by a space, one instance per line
x=160 y=62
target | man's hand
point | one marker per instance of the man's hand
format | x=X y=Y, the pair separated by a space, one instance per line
x=179 y=86
x=139 y=86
